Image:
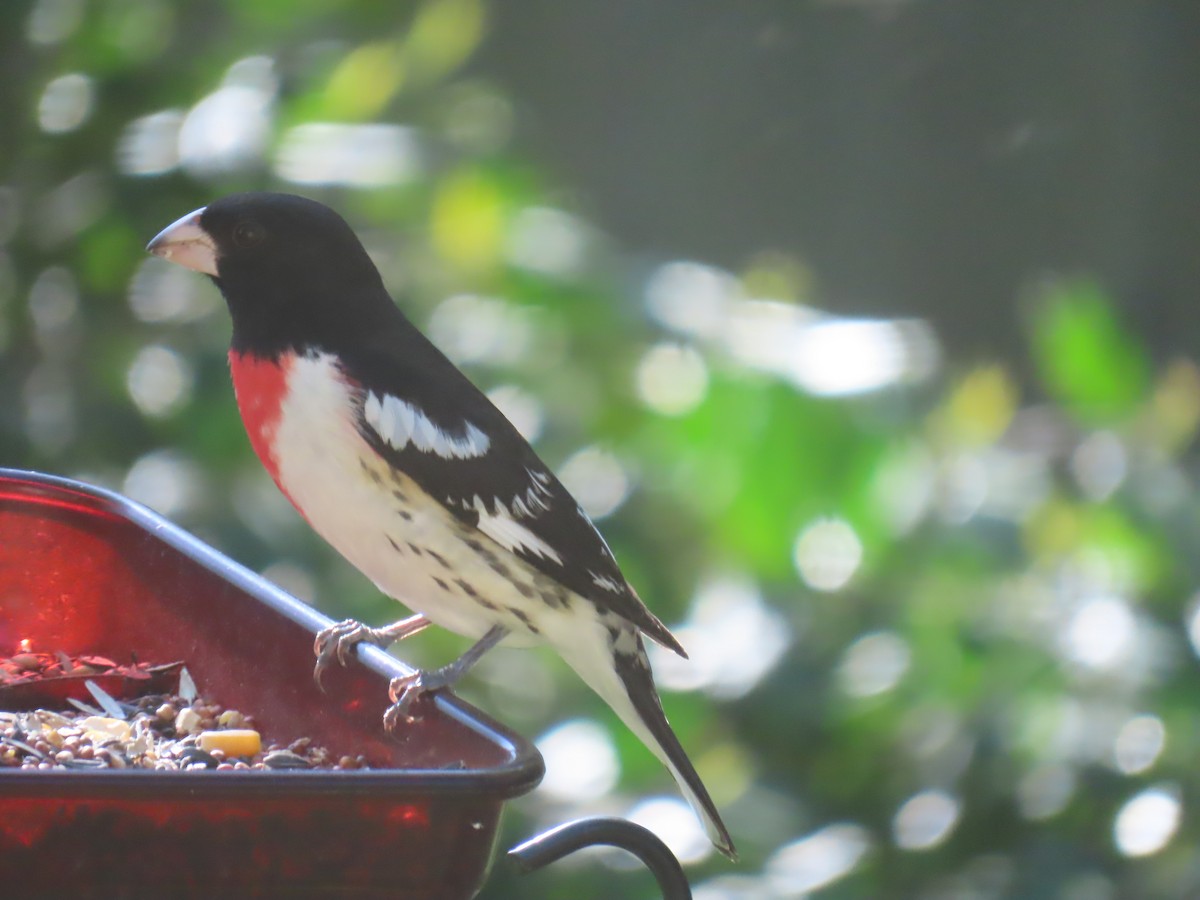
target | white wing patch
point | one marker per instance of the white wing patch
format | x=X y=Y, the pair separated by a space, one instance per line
x=399 y=424
x=603 y=581
x=511 y=534
x=536 y=498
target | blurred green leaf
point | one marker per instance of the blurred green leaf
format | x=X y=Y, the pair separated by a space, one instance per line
x=443 y=35
x=1093 y=366
x=365 y=81
x=467 y=220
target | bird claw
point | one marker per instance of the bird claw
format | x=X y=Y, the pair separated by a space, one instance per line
x=406 y=691
x=336 y=642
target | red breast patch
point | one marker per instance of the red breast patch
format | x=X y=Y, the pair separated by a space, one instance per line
x=261 y=385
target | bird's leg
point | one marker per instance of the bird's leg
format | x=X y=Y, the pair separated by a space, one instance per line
x=405 y=690
x=336 y=641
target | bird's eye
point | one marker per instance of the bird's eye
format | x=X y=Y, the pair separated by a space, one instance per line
x=247 y=234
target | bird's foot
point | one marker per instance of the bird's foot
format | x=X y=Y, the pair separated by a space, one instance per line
x=407 y=690
x=337 y=641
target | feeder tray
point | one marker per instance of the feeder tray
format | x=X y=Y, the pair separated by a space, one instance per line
x=84 y=571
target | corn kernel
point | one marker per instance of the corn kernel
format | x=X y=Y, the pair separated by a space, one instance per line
x=231 y=742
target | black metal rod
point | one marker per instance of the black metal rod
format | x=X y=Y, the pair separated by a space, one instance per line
x=553 y=845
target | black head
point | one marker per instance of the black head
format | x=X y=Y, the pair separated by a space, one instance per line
x=291 y=270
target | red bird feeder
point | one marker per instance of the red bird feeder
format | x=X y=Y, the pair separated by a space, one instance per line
x=83 y=571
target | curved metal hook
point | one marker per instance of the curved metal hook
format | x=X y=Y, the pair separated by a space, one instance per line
x=553 y=845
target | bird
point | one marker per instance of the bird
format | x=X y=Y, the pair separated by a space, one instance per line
x=395 y=458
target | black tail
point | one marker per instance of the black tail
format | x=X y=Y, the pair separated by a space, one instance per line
x=643 y=713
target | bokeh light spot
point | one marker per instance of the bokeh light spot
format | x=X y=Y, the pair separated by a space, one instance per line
x=673 y=821
x=733 y=636
x=66 y=103
x=373 y=155
x=53 y=305
x=925 y=820
x=1099 y=465
x=1139 y=743
x=547 y=240
x=165 y=481
x=71 y=207
x=672 y=379
x=471 y=328
x=229 y=129
x=53 y=21
x=852 y=356
x=690 y=297
x=818 y=859
x=1148 y=821
x=827 y=554
x=159 y=380
x=162 y=292
x=597 y=480
x=1099 y=635
x=581 y=761
x=874 y=664
x=150 y=145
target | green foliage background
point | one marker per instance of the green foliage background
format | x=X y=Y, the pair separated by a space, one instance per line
x=1005 y=531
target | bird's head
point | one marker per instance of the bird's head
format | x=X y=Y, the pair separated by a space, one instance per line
x=276 y=258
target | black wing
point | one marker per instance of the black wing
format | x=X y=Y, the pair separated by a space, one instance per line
x=506 y=479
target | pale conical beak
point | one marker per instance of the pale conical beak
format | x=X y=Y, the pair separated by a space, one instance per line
x=185 y=242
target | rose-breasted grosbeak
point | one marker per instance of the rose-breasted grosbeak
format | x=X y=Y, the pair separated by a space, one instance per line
x=410 y=472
